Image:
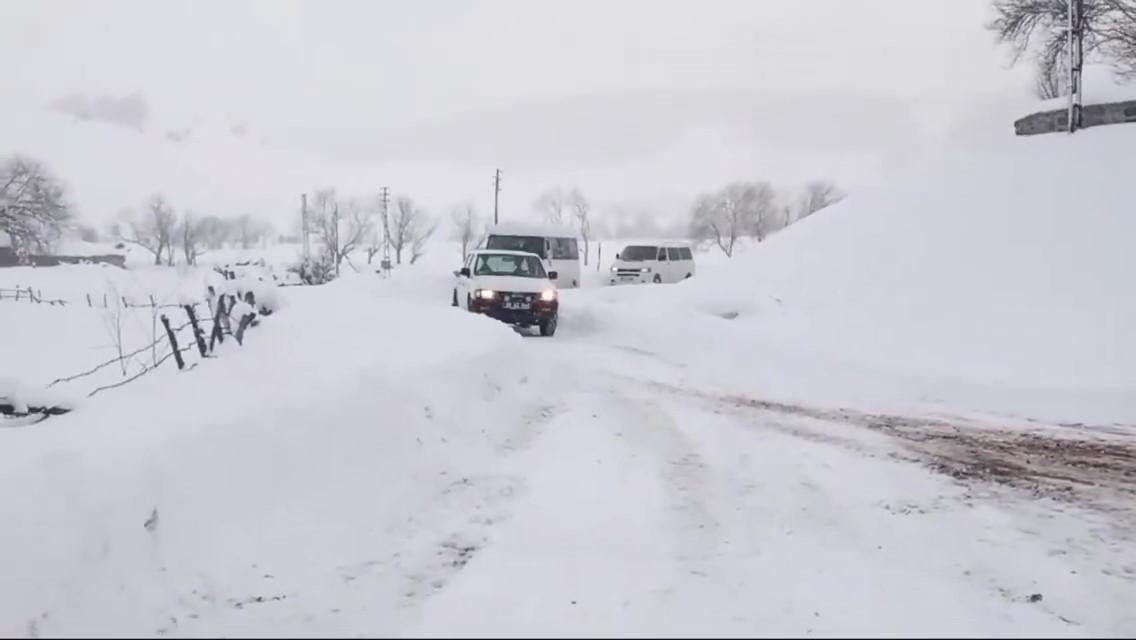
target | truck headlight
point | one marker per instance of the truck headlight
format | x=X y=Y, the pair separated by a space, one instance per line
x=614 y=269
x=645 y=270
x=548 y=295
x=485 y=294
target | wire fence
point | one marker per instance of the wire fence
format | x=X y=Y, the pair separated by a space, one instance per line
x=30 y=295
x=227 y=315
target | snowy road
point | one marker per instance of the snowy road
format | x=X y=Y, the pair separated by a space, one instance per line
x=654 y=510
x=566 y=486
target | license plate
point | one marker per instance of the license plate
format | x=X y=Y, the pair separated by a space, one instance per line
x=515 y=306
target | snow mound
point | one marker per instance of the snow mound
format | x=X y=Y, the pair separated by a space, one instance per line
x=1002 y=286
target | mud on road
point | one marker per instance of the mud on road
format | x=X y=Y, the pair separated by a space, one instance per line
x=1094 y=469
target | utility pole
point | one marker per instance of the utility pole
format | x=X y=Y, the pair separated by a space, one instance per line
x=307 y=251
x=496 y=193
x=384 y=201
x=1076 y=31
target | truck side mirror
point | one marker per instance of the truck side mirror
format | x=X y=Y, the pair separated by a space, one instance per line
x=464 y=272
x=552 y=275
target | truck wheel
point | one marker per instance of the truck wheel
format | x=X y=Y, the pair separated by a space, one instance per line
x=548 y=326
x=658 y=279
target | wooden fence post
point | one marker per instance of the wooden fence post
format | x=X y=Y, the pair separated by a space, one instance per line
x=89 y=300
x=245 y=320
x=197 y=335
x=218 y=335
x=173 y=342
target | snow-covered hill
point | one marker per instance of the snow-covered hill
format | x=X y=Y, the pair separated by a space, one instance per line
x=1002 y=284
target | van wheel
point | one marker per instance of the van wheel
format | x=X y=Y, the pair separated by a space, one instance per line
x=548 y=326
x=688 y=275
x=455 y=302
x=658 y=279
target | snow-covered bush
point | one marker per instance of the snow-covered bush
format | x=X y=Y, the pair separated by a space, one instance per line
x=320 y=270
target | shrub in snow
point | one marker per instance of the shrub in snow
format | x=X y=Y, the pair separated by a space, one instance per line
x=314 y=271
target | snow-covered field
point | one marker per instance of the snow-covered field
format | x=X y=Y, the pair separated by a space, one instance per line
x=851 y=429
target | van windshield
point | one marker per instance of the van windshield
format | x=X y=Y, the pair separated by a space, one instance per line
x=528 y=244
x=499 y=264
x=638 y=254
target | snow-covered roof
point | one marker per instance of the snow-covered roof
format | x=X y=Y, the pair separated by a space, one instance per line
x=531 y=229
x=660 y=243
x=503 y=252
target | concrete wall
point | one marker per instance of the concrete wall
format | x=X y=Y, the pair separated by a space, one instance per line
x=1093 y=115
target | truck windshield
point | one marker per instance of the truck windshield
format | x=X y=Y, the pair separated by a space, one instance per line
x=638 y=254
x=528 y=244
x=502 y=264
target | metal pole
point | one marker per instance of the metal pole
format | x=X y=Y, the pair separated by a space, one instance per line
x=1079 y=32
x=496 y=193
x=304 y=226
x=1075 y=31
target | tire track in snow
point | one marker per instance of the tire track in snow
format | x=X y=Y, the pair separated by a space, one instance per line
x=682 y=470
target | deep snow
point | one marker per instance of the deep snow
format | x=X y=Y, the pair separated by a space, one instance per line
x=374 y=461
x=845 y=430
x=1001 y=287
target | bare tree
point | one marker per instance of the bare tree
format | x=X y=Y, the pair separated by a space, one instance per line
x=1117 y=32
x=338 y=233
x=250 y=230
x=552 y=204
x=1037 y=28
x=418 y=244
x=214 y=232
x=190 y=234
x=818 y=194
x=739 y=209
x=1051 y=78
x=33 y=204
x=761 y=200
x=465 y=221
x=153 y=230
x=719 y=218
x=581 y=212
x=409 y=228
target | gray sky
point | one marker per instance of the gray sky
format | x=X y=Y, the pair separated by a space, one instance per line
x=636 y=101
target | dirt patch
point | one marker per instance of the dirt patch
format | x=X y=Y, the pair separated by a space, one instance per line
x=1098 y=469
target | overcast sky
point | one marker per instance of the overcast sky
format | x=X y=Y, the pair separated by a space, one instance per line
x=632 y=99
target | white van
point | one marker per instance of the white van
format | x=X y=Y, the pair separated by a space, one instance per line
x=556 y=246
x=658 y=263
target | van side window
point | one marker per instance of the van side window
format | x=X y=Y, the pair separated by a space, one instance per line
x=564 y=249
x=684 y=253
x=662 y=254
x=673 y=253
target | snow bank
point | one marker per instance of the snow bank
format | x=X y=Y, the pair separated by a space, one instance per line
x=312 y=441
x=1001 y=286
